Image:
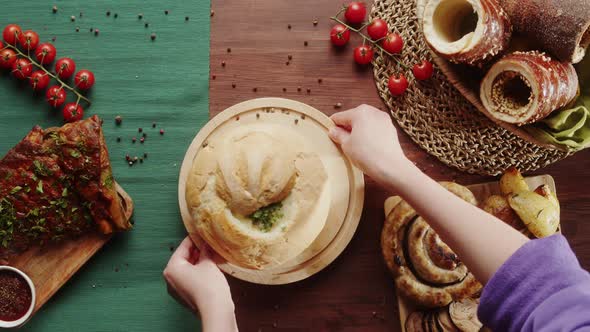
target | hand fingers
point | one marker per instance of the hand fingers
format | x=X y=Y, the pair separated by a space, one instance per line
x=345 y=118
x=205 y=253
x=183 y=252
x=338 y=135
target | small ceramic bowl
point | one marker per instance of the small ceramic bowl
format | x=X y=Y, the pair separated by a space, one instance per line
x=21 y=321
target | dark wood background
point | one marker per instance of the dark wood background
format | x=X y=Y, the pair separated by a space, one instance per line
x=355 y=293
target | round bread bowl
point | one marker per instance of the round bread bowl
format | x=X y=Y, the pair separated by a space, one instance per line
x=346 y=181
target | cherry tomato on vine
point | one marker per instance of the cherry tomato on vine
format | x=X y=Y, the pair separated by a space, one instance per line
x=393 y=43
x=7 y=58
x=55 y=96
x=84 y=79
x=29 y=40
x=73 y=112
x=45 y=53
x=377 y=29
x=11 y=34
x=39 y=80
x=340 y=35
x=397 y=85
x=65 y=67
x=355 y=12
x=22 y=68
x=363 y=54
x=423 y=70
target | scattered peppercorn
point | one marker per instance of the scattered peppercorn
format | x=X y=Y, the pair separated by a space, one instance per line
x=305 y=43
x=91 y=29
x=213 y=77
x=140 y=130
x=315 y=22
x=96 y=32
x=186 y=18
x=228 y=50
x=255 y=89
x=145 y=155
x=289 y=26
x=338 y=105
x=287 y=63
x=72 y=18
x=146 y=24
x=134 y=139
x=320 y=80
x=290 y=57
x=161 y=131
x=166 y=12
x=144 y=135
x=118 y=120
x=153 y=36
x=118 y=139
x=81 y=14
x=77 y=29
x=171 y=249
x=53 y=39
x=153 y=125
x=257 y=116
x=140 y=16
x=222 y=63
x=108 y=13
x=284 y=89
x=233 y=85
x=141 y=160
x=212 y=12
x=302 y=116
x=299 y=88
x=308 y=90
x=127 y=157
x=296 y=121
x=238 y=118
x=54 y=9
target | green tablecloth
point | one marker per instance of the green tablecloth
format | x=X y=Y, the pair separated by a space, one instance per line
x=166 y=81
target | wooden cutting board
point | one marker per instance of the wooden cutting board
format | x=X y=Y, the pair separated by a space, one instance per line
x=346 y=182
x=50 y=267
x=482 y=192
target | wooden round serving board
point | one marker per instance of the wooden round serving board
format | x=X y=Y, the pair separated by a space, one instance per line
x=467 y=83
x=346 y=183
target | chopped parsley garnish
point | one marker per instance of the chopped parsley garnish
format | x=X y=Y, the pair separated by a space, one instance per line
x=267 y=216
x=40 y=186
x=108 y=181
x=16 y=189
x=75 y=154
x=41 y=169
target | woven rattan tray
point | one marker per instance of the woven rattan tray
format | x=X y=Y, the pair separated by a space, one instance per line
x=438 y=117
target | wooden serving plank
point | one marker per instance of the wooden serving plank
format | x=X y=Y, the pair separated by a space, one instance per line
x=467 y=81
x=482 y=192
x=346 y=182
x=50 y=267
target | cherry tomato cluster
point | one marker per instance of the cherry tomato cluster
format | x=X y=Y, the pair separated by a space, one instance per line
x=379 y=37
x=15 y=55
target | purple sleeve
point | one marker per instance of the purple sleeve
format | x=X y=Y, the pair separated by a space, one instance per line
x=541 y=287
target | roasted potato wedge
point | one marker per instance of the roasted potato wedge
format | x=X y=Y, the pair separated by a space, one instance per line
x=512 y=182
x=499 y=207
x=540 y=214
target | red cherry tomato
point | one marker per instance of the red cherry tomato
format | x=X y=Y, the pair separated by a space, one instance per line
x=39 y=80
x=397 y=85
x=339 y=35
x=363 y=54
x=45 y=53
x=11 y=34
x=73 y=112
x=65 y=68
x=22 y=68
x=55 y=96
x=84 y=79
x=355 y=12
x=423 y=70
x=377 y=29
x=393 y=43
x=28 y=40
x=7 y=58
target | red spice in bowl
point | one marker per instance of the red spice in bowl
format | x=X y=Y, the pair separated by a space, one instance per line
x=16 y=296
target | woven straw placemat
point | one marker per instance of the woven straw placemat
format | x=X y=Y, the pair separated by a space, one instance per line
x=438 y=118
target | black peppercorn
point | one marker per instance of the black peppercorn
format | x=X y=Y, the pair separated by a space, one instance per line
x=116 y=15
x=140 y=16
x=108 y=13
x=54 y=9
x=146 y=24
x=118 y=120
x=153 y=36
x=305 y=43
x=186 y=18
x=166 y=12
x=145 y=155
x=233 y=85
x=153 y=125
x=118 y=139
x=140 y=130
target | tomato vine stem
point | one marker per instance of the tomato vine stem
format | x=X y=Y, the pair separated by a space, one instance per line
x=367 y=38
x=47 y=72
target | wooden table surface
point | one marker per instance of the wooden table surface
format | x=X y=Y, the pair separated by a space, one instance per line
x=356 y=292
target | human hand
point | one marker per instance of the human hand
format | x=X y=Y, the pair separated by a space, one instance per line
x=195 y=281
x=367 y=136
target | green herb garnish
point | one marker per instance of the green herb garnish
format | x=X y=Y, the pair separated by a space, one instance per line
x=75 y=154
x=267 y=216
x=16 y=189
x=41 y=169
x=40 y=187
